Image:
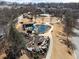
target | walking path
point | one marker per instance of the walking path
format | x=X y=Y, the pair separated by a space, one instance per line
x=49 y=34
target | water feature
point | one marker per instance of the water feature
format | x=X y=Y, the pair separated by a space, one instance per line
x=42 y=28
x=39 y=28
x=29 y=26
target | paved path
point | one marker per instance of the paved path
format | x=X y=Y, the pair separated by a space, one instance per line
x=49 y=34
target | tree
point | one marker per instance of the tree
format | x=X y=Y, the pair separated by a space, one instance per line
x=69 y=25
x=17 y=42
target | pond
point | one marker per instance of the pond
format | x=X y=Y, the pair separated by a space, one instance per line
x=42 y=28
x=28 y=26
x=39 y=28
